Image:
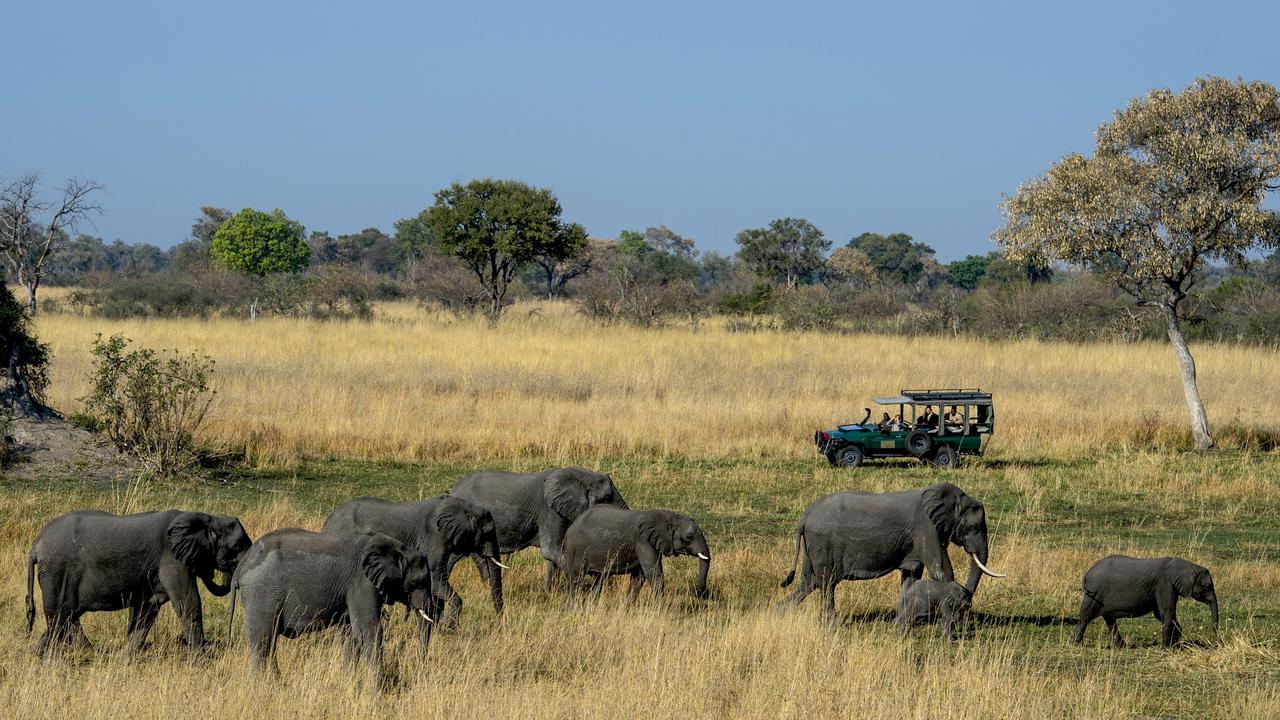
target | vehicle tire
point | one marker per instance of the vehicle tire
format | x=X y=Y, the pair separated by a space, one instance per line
x=831 y=458
x=919 y=443
x=946 y=457
x=849 y=456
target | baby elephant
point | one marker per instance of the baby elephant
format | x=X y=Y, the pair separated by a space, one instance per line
x=606 y=541
x=924 y=601
x=295 y=581
x=1118 y=586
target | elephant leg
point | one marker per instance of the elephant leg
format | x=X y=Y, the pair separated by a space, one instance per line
x=550 y=538
x=142 y=615
x=260 y=634
x=549 y=576
x=829 y=601
x=1089 y=609
x=1117 y=642
x=1167 y=612
x=178 y=583
x=597 y=586
x=634 y=585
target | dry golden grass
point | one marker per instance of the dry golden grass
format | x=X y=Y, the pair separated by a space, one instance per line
x=546 y=384
x=716 y=424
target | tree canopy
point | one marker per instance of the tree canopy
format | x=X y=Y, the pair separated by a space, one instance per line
x=498 y=227
x=790 y=250
x=1176 y=179
x=261 y=243
x=894 y=258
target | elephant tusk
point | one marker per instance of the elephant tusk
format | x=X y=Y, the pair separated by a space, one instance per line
x=495 y=562
x=985 y=569
x=703 y=557
x=425 y=616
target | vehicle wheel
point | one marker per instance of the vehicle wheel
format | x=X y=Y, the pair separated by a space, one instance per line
x=831 y=458
x=919 y=443
x=849 y=456
x=946 y=457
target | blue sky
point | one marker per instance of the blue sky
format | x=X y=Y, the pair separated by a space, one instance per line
x=707 y=117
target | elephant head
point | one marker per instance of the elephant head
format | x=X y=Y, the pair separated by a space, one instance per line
x=1195 y=582
x=399 y=574
x=205 y=543
x=570 y=491
x=671 y=534
x=962 y=520
x=469 y=527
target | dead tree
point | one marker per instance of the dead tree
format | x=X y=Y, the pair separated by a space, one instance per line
x=31 y=227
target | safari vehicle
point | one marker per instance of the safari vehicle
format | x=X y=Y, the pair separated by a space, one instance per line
x=940 y=443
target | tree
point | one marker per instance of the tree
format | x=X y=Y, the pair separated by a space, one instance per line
x=895 y=258
x=847 y=265
x=498 y=227
x=194 y=254
x=259 y=243
x=789 y=250
x=1176 y=179
x=553 y=273
x=28 y=241
x=968 y=272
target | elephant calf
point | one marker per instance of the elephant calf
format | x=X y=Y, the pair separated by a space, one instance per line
x=295 y=581
x=924 y=601
x=607 y=541
x=1119 y=586
x=92 y=561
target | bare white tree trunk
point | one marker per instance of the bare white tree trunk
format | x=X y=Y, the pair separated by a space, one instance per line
x=1195 y=407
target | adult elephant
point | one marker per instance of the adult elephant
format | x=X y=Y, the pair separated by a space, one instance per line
x=445 y=528
x=606 y=541
x=861 y=536
x=92 y=561
x=535 y=509
x=295 y=581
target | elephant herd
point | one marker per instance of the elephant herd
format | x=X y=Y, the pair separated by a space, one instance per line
x=372 y=553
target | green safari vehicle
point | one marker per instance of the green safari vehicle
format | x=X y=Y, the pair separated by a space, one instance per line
x=961 y=423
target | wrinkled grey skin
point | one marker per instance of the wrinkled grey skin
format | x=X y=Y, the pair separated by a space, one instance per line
x=535 y=509
x=445 y=528
x=91 y=561
x=920 y=602
x=607 y=541
x=861 y=536
x=1119 y=586
x=295 y=581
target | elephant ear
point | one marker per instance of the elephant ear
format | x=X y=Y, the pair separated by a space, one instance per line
x=941 y=504
x=455 y=522
x=658 y=531
x=191 y=537
x=383 y=564
x=565 y=494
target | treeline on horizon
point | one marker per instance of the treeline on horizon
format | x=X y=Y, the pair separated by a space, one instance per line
x=787 y=275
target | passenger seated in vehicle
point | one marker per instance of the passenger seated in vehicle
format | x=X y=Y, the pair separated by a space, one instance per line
x=883 y=425
x=929 y=419
x=953 y=417
x=896 y=424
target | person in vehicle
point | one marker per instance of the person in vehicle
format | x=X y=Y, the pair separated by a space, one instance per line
x=953 y=417
x=883 y=425
x=896 y=424
x=929 y=419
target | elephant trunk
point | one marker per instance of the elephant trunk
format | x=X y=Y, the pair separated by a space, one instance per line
x=703 y=553
x=1213 y=611
x=213 y=587
x=977 y=558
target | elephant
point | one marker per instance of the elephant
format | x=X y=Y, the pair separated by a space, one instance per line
x=535 y=509
x=446 y=528
x=862 y=536
x=946 y=602
x=606 y=541
x=1120 y=586
x=91 y=561
x=295 y=581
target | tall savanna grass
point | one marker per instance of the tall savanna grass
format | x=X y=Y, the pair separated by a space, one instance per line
x=547 y=384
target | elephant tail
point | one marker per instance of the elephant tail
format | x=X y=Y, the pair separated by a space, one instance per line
x=791 y=576
x=231 y=608
x=31 y=598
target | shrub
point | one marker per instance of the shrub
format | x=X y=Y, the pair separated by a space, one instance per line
x=807 y=308
x=150 y=404
x=24 y=360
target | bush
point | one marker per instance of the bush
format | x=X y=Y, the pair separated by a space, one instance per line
x=24 y=360
x=807 y=308
x=150 y=404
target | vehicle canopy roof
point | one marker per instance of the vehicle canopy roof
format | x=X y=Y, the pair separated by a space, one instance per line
x=956 y=396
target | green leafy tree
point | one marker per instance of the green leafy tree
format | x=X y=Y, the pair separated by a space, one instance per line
x=968 y=272
x=1176 y=179
x=497 y=227
x=259 y=243
x=896 y=257
x=789 y=251
x=24 y=360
